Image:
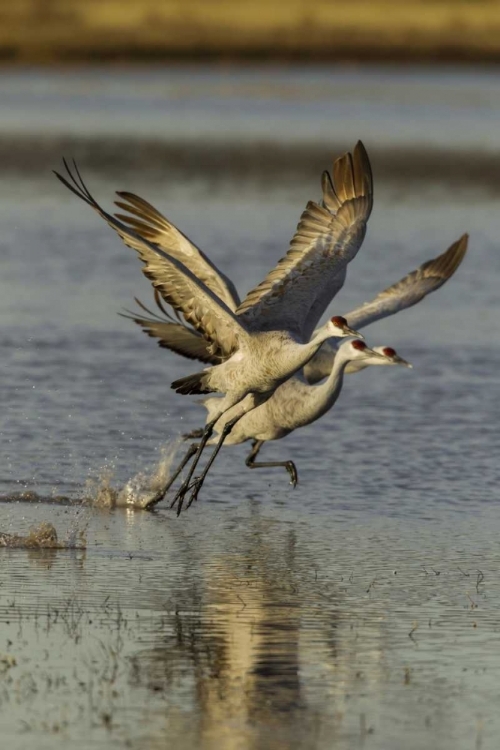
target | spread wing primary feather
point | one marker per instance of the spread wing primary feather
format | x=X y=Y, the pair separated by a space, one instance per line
x=411 y=288
x=143 y=218
x=295 y=294
x=201 y=307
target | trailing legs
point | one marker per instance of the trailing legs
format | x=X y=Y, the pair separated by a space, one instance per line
x=288 y=465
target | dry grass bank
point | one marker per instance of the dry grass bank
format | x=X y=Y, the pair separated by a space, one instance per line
x=83 y=30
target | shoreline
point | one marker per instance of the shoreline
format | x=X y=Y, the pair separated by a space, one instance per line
x=27 y=154
x=352 y=57
x=124 y=57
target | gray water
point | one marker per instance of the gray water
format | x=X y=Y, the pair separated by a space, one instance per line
x=358 y=610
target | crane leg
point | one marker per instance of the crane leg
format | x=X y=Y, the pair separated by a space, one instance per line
x=181 y=492
x=197 y=482
x=288 y=465
x=161 y=494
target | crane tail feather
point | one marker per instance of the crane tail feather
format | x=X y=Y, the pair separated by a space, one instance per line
x=191 y=384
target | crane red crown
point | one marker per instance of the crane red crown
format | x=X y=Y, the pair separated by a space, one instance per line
x=357 y=344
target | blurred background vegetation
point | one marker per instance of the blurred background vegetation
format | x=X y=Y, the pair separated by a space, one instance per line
x=56 y=31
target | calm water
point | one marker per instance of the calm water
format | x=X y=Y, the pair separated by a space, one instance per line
x=358 y=610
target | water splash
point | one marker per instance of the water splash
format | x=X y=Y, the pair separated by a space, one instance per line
x=44 y=536
x=140 y=491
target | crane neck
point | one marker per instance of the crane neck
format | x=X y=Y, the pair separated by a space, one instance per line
x=326 y=394
x=302 y=353
x=305 y=352
x=321 y=334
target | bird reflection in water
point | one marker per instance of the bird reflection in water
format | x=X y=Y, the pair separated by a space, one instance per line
x=239 y=642
x=258 y=651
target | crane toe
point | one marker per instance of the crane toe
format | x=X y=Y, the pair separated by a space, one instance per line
x=292 y=470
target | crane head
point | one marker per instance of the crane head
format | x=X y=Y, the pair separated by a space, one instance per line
x=379 y=355
x=359 y=350
x=392 y=356
x=339 y=328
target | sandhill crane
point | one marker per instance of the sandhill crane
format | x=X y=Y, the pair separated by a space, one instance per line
x=294 y=404
x=271 y=334
x=297 y=404
x=408 y=291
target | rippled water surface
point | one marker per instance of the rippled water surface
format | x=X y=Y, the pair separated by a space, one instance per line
x=358 y=610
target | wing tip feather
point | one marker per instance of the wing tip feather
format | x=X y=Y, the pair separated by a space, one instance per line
x=352 y=179
x=447 y=263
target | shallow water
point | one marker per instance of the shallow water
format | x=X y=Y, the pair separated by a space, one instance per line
x=359 y=609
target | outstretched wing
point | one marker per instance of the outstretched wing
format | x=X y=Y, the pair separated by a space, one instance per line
x=174 y=335
x=412 y=288
x=407 y=292
x=143 y=218
x=200 y=306
x=294 y=295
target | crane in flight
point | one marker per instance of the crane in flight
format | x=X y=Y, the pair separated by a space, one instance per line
x=405 y=293
x=293 y=405
x=272 y=333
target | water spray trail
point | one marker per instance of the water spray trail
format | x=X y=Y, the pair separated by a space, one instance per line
x=139 y=491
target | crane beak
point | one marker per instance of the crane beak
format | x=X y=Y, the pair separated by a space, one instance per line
x=351 y=332
x=400 y=361
x=397 y=360
x=372 y=353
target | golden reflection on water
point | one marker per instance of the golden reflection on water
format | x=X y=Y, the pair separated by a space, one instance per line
x=247 y=642
x=251 y=633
